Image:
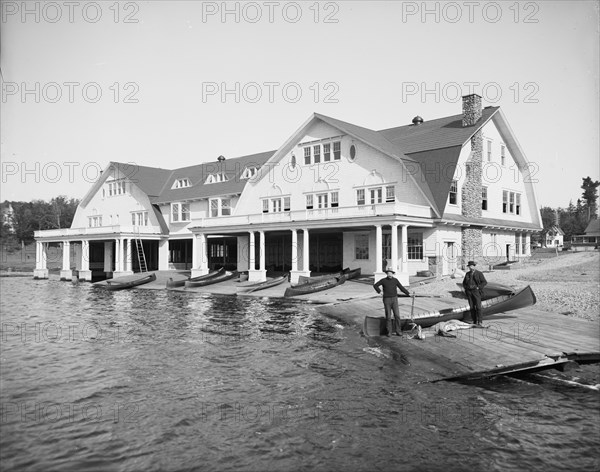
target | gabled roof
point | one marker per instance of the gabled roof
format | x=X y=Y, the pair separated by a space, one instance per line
x=149 y=179
x=593 y=228
x=232 y=168
x=435 y=134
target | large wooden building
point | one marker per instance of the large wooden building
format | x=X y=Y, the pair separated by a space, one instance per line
x=429 y=195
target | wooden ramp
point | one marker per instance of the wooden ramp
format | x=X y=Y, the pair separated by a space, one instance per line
x=520 y=340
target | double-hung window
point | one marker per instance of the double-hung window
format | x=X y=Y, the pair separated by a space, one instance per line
x=180 y=212
x=453 y=194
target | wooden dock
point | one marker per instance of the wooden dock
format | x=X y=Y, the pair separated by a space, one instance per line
x=527 y=339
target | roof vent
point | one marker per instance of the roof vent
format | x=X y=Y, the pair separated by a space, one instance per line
x=417 y=120
x=221 y=158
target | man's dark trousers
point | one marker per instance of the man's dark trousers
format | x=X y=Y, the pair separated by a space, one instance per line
x=390 y=304
x=474 y=297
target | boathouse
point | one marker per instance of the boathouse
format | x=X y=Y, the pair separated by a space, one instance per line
x=424 y=196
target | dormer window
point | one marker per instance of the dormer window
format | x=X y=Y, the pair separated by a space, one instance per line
x=181 y=183
x=215 y=178
x=249 y=173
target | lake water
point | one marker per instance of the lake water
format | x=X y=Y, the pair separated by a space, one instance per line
x=147 y=380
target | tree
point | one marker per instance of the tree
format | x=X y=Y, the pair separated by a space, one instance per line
x=590 y=195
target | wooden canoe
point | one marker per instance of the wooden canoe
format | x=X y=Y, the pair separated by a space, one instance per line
x=303 y=289
x=180 y=283
x=376 y=326
x=262 y=285
x=352 y=274
x=110 y=285
x=492 y=290
x=303 y=279
x=212 y=280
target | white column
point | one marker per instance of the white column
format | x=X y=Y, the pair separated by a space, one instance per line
x=85 y=273
x=40 y=271
x=402 y=276
x=305 y=251
x=262 y=250
x=378 y=248
x=528 y=244
x=118 y=256
x=294 y=250
x=65 y=273
x=195 y=257
x=128 y=256
x=394 y=237
x=108 y=256
x=200 y=256
x=163 y=254
x=251 y=261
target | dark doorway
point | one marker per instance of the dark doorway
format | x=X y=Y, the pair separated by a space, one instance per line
x=222 y=252
x=180 y=254
x=326 y=252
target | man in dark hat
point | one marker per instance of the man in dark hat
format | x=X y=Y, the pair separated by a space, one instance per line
x=473 y=283
x=390 y=299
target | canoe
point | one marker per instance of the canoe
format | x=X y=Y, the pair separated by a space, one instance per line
x=262 y=285
x=376 y=326
x=180 y=283
x=492 y=290
x=352 y=274
x=311 y=287
x=303 y=279
x=110 y=285
x=212 y=280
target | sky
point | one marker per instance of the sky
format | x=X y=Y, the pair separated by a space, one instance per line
x=173 y=84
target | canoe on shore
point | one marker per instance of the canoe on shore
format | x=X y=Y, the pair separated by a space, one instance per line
x=347 y=272
x=111 y=285
x=180 y=283
x=312 y=287
x=212 y=280
x=376 y=326
x=262 y=285
x=492 y=290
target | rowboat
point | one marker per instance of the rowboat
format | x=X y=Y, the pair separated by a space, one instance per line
x=303 y=279
x=111 y=285
x=311 y=287
x=212 y=280
x=180 y=283
x=375 y=326
x=352 y=274
x=493 y=290
x=262 y=285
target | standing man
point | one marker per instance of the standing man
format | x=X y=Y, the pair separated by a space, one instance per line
x=390 y=299
x=473 y=283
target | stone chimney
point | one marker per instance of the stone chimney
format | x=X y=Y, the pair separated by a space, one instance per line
x=471 y=107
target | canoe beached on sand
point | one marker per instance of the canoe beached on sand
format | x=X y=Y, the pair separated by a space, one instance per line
x=111 y=285
x=180 y=283
x=212 y=280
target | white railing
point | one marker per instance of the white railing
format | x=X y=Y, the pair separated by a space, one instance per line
x=359 y=211
x=65 y=232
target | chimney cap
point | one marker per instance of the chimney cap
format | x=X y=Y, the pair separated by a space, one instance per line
x=221 y=158
x=417 y=120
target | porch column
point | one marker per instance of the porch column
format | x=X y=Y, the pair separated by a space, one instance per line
x=251 y=249
x=394 y=237
x=200 y=256
x=402 y=275
x=195 y=257
x=108 y=256
x=85 y=273
x=41 y=271
x=305 y=251
x=295 y=273
x=128 y=256
x=163 y=254
x=294 y=250
x=65 y=273
x=378 y=273
x=259 y=275
x=528 y=244
x=118 y=256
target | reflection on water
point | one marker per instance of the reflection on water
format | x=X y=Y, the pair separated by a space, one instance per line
x=160 y=380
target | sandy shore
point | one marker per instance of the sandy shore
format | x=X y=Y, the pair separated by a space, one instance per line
x=568 y=284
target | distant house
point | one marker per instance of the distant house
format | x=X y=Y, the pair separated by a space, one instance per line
x=426 y=195
x=589 y=240
x=555 y=237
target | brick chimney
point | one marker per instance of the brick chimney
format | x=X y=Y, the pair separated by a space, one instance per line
x=471 y=107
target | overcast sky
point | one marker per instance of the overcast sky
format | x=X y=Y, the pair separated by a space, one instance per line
x=171 y=84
